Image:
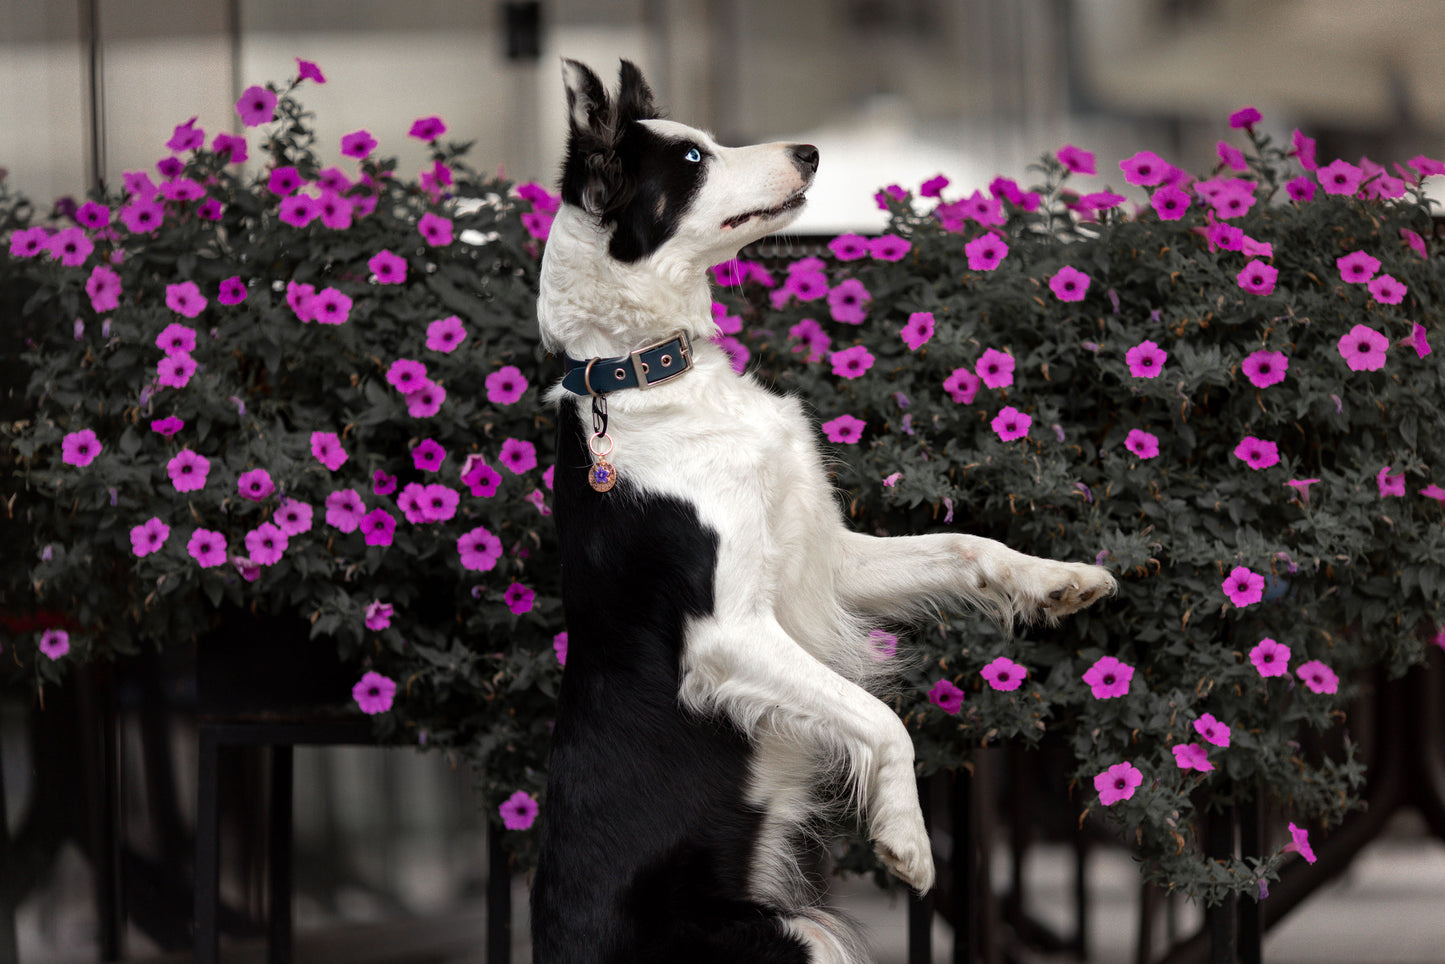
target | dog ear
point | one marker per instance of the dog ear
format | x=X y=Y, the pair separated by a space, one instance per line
x=634 y=97
x=588 y=109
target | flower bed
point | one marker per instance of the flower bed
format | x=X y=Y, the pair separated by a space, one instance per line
x=314 y=390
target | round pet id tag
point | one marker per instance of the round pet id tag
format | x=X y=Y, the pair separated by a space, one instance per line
x=601 y=476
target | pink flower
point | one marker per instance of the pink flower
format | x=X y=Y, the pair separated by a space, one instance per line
x=1145 y=169
x=283 y=181
x=389 y=268
x=406 y=376
x=479 y=549
x=933 y=187
x=559 y=646
x=298 y=210
x=1269 y=657
x=995 y=368
x=1117 y=783
x=738 y=353
x=167 y=426
x=185 y=299
x=80 y=448
x=1301 y=189
x=1146 y=359
x=1386 y=290
x=946 y=697
x=985 y=252
x=1363 y=349
x=334 y=210
x=438 y=503
x=1433 y=491
x=427 y=129
x=1318 y=677
x=382 y=484
x=506 y=385
x=176 y=339
x=1004 y=674
x=294 y=517
x=95 y=215
x=1108 y=678
x=803 y=285
x=1231 y=157
x=1340 y=177
x=188 y=470
x=1212 y=730
x=851 y=362
x=1170 y=203
x=844 y=428
x=143 y=215
x=255 y=484
x=1302 y=486
x=28 y=242
x=344 y=510
x=519 y=811
x=232 y=291
x=358 y=143
x=175 y=371
x=1243 y=587
x=518 y=598
x=1416 y=243
x=1077 y=160
x=1390 y=485
x=848 y=302
x=70 y=247
x=435 y=229
x=1357 y=267
x=480 y=477
x=54 y=643
x=962 y=385
x=812 y=337
x=538 y=224
x=445 y=334
x=1069 y=284
x=1258 y=278
x=374 y=693
x=378 y=526
x=1011 y=424
x=1265 y=368
x=1143 y=444
x=299 y=297
x=378 y=615
x=918 y=329
x=230 y=147
x=306 y=70
x=181 y=189
x=149 y=536
x=1257 y=453
x=256 y=106
x=1192 y=756
x=888 y=247
x=409 y=501
x=426 y=401
x=518 y=455
x=1245 y=117
x=265 y=544
x=1300 y=844
x=539 y=197
x=428 y=456
x=848 y=247
x=326 y=446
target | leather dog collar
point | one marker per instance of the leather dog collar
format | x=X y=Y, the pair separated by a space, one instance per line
x=644 y=368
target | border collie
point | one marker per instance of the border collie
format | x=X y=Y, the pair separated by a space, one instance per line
x=718 y=607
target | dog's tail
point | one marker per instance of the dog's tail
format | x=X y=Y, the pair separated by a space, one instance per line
x=832 y=938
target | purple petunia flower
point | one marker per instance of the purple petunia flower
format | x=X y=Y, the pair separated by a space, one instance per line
x=1212 y=730
x=1257 y=453
x=445 y=334
x=265 y=544
x=294 y=517
x=426 y=400
x=143 y=215
x=358 y=143
x=70 y=247
x=435 y=229
x=1340 y=177
x=479 y=549
x=1265 y=368
x=428 y=455
x=167 y=426
x=1258 y=277
x=1231 y=156
x=1004 y=674
x=54 y=643
x=377 y=615
x=207 y=547
x=406 y=375
x=1144 y=445
x=255 y=485
x=1109 y=678
x=845 y=429
x=438 y=503
x=848 y=302
x=299 y=297
x=1386 y=290
x=1363 y=348
x=1300 y=844
x=519 y=811
x=389 y=268
x=985 y=252
x=298 y=210
x=1069 y=284
x=1245 y=117
x=327 y=448
x=80 y=448
x=518 y=598
x=888 y=247
x=409 y=501
x=1357 y=267
x=559 y=646
x=1117 y=783
x=1390 y=485
x=506 y=385
x=1145 y=169
x=374 y=693
x=933 y=187
x=176 y=339
x=378 y=527
x=946 y=696
x=344 y=510
x=1269 y=657
x=427 y=129
x=149 y=536
x=518 y=455
x=1146 y=359
x=1192 y=756
x=188 y=470
x=284 y=181
x=995 y=368
x=813 y=339
x=1170 y=203
x=1077 y=160
x=480 y=477
x=918 y=330
x=1011 y=424
x=851 y=362
x=962 y=385
x=1243 y=587
x=232 y=291
x=185 y=299
x=849 y=247
x=1318 y=677
x=1301 y=189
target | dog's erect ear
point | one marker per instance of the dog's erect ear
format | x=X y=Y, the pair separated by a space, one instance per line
x=588 y=109
x=634 y=97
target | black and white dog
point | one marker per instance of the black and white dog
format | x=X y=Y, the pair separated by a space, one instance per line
x=718 y=607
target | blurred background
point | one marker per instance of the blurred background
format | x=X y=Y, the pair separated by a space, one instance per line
x=892 y=91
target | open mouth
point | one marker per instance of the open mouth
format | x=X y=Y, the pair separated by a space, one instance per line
x=794 y=201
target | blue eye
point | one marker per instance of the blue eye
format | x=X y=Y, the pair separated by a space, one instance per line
x=693 y=155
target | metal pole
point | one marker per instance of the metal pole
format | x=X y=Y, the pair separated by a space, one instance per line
x=920 y=909
x=499 y=900
x=95 y=89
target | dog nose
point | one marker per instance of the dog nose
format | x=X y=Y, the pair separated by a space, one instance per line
x=805 y=158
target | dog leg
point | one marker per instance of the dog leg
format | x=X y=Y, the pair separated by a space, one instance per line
x=751 y=671
x=902 y=576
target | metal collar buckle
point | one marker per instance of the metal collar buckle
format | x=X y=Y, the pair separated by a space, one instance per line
x=674 y=366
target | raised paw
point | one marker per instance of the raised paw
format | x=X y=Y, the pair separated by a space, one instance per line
x=1070 y=586
x=903 y=847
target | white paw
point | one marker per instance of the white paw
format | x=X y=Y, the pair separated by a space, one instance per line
x=902 y=845
x=1067 y=587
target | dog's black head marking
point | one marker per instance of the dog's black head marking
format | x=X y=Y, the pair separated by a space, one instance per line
x=617 y=169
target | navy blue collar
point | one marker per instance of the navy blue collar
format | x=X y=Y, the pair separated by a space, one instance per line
x=643 y=368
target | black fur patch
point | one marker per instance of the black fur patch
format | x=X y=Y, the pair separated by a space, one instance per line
x=620 y=171
x=646 y=839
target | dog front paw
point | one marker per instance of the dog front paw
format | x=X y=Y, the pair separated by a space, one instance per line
x=904 y=848
x=1067 y=587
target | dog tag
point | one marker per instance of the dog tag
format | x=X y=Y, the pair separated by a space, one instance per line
x=602 y=476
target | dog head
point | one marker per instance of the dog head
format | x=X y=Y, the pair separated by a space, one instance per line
x=667 y=190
